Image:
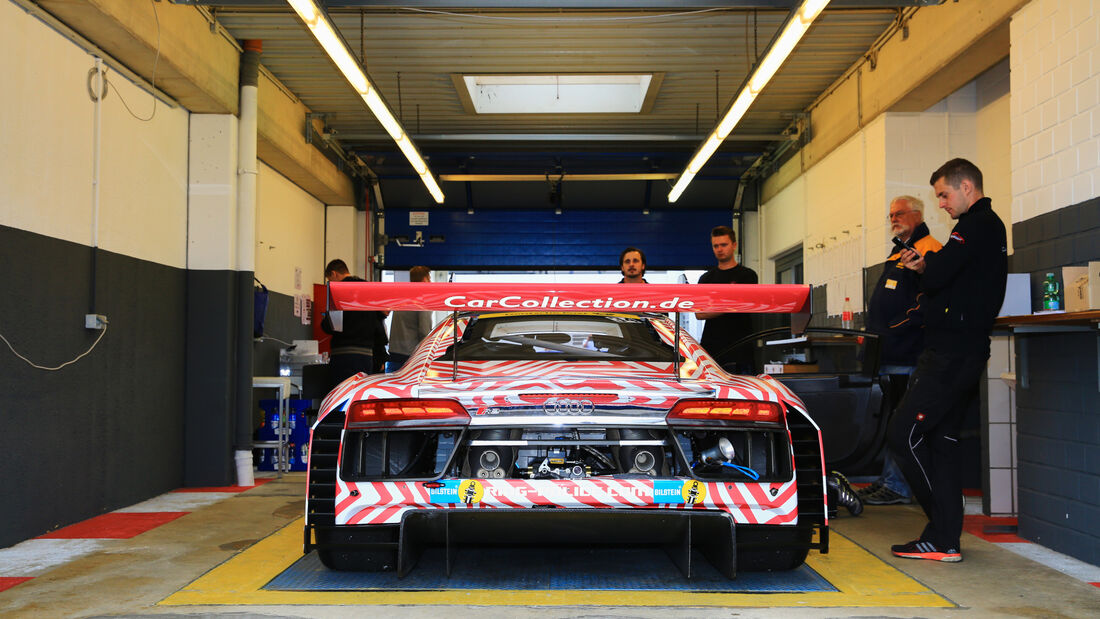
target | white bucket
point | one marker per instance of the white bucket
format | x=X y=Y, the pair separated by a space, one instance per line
x=244 y=468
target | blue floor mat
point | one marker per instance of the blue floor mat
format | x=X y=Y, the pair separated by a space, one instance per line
x=617 y=569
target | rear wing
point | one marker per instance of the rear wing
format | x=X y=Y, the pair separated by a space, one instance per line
x=791 y=299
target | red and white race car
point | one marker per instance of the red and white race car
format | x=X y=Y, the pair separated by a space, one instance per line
x=561 y=414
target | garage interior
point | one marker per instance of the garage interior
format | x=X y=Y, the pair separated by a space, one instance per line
x=160 y=157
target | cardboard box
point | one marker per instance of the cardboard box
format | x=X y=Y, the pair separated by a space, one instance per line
x=1081 y=287
x=1075 y=288
x=791 y=368
x=1017 y=295
x=1094 y=285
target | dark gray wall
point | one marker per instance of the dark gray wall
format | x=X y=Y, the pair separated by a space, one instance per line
x=821 y=317
x=211 y=378
x=106 y=431
x=1058 y=411
x=149 y=410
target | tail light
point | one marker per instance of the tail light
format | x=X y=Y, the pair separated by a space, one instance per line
x=724 y=410
x=406 y=413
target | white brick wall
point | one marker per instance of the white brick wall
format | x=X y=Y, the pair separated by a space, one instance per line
x=1055 y=105
x=840 y=205
x=836 y=199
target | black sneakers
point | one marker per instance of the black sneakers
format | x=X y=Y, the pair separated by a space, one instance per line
x=842 y=491
x=881 y=495
x=926 y=550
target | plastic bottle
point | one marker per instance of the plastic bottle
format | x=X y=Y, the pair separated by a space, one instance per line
x=1052 y=295
x=846 y=314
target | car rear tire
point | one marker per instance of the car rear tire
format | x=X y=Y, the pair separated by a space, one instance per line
x=352 y=559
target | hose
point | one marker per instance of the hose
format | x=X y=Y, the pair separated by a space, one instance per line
x=744 y=470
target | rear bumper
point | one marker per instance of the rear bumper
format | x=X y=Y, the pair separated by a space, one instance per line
x=388 y=502
x=714 y=533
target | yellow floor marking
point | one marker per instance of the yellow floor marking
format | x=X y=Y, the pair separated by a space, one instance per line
x=862 y=579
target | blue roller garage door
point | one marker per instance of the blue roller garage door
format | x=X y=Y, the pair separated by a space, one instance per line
x=505 y=239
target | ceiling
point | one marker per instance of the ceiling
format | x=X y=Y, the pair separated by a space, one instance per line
x=702 y=53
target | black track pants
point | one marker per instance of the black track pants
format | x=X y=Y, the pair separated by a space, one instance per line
x=923 y=434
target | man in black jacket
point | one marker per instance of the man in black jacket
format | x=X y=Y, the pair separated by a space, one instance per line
x=901 y=337
x=355 y=335
x=963 y=286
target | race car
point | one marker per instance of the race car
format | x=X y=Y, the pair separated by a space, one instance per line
x=567 y=413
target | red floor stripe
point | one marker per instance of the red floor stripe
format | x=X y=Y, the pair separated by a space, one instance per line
x=7 y=582
x=114 y=526
x=259 y=482
x=975 y=525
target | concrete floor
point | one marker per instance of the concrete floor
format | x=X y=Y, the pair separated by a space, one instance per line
x=155 y=574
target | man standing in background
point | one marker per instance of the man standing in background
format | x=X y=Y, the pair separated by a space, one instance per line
x=632 y=266
x=901 y=338
x=407 y=329
x=354 y=334
x=722 y=330
x=963 y=286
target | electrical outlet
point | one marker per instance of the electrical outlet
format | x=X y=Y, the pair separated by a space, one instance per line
x=95 y=321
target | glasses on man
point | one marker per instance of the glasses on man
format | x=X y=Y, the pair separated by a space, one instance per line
x=897 y=215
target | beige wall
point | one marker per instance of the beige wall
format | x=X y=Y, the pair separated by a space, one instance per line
x=782 y=225
x=47 y=131
x=289 y=235
x=994 y=143
x=343 y=224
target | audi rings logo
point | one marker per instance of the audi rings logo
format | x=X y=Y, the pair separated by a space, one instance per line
x=564 y=406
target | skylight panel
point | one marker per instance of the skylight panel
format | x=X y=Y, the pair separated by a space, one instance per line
x=557 y=94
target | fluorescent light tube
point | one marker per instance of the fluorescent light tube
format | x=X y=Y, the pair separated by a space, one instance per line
x=406 y=146
x=680 y=185
x=326 y=35
x=383 y=114
x=794 y=29
x=433 y=187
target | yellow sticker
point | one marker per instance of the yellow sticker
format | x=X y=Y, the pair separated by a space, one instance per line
x=891 y=284
x=471 y=491
x=694 y=491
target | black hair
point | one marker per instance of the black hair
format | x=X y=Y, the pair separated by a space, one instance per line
x=724 y=231
x=336 y=266
x=627 y=251
x=955 y=171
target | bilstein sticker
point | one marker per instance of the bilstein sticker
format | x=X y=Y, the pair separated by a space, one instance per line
x=694 y=491
x=454 y=491
x=470 y=491
x=672 y=491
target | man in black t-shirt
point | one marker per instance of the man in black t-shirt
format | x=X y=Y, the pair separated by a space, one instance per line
x=357 y=337
x=721 y=329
